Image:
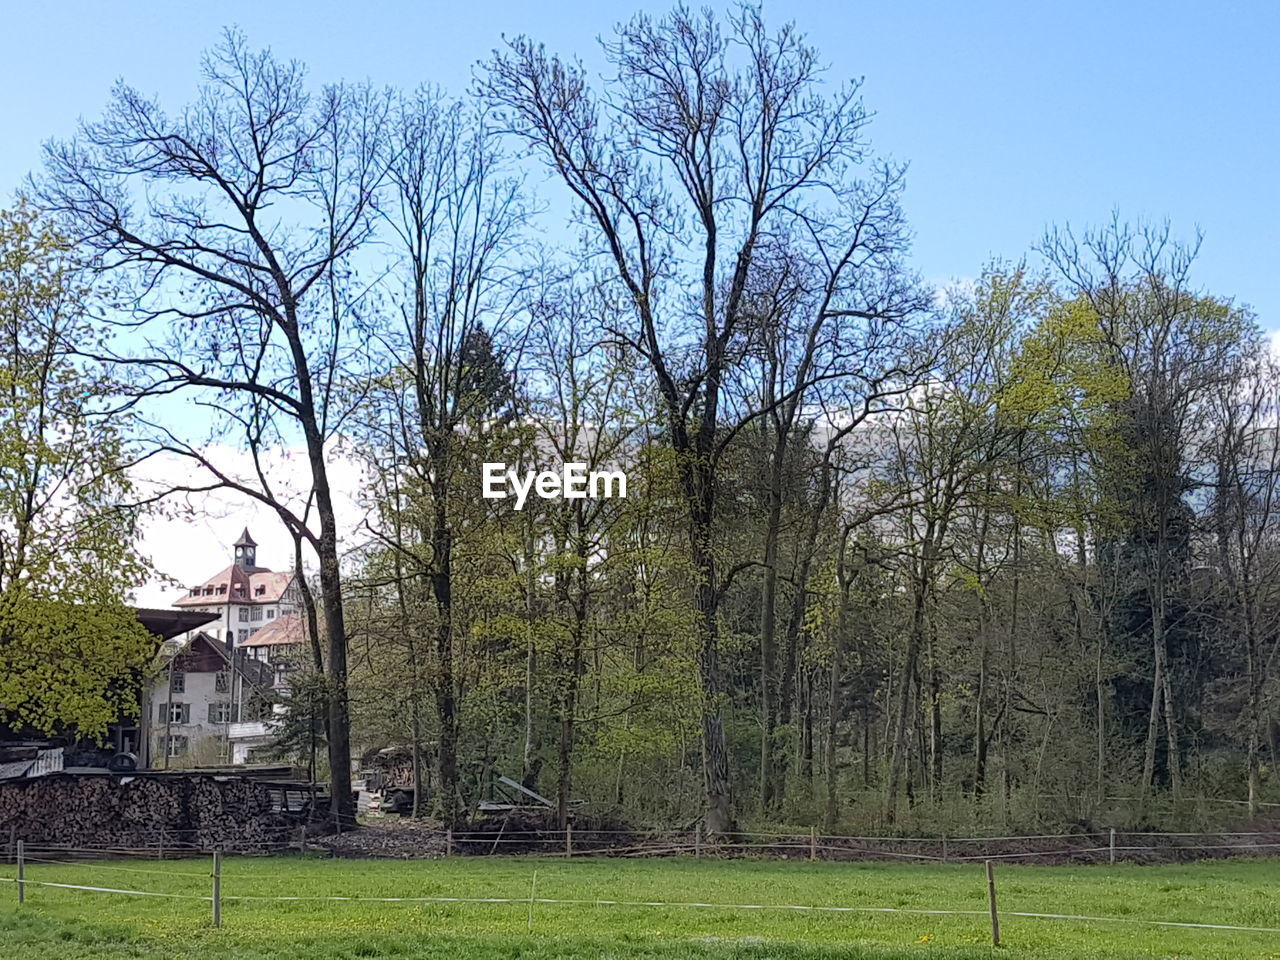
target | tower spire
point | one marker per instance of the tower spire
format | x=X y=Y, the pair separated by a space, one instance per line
x=246 y=550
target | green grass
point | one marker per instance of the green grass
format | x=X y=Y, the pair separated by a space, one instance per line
x=68 y=925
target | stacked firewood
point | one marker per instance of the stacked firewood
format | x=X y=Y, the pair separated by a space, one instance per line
x=142 y=813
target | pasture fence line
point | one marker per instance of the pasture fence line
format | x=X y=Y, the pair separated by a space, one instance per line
x=217 y=898
x=1111 y=845
x=1105 y=846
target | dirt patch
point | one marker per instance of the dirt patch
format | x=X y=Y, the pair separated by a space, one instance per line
x=389 y=839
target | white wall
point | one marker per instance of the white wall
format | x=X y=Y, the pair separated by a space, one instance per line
x=205 y=741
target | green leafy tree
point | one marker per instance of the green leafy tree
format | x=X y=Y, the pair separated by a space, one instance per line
x=69 y=645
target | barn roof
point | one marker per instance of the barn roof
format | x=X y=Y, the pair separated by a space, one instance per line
x=166 y=624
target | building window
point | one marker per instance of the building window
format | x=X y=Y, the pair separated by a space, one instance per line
x=173 y=713
x=219 y=713
x=177 y=746
x=271 y=613
x=256 y=614
x=221 y=682
x=244 y=614
x=244 y=635
x=178 y=681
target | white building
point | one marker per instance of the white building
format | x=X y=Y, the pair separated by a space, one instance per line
x=268 y=658
x=215 y=696
x=244 y=596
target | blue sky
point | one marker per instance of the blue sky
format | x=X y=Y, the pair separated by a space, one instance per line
x=1013 y=116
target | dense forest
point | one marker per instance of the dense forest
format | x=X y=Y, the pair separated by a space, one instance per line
x=1004 y=552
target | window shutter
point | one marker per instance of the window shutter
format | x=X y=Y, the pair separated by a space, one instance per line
x=186 y=713
x=212 y=714
x=162 y=710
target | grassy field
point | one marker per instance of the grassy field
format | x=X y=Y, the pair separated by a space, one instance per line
x=59 y=924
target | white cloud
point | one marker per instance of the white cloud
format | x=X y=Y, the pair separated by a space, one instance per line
x=188 y=537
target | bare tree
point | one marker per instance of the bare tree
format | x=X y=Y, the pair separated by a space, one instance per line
x=710 y=143
x=588 y=410
x=231 y=228
x=456 y=218
x=1245 y=515
x=946 y=444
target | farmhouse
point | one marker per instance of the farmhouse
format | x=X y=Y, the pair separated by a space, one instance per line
x=218 y=691
x=200 y=698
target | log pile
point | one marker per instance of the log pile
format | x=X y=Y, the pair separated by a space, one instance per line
x=191 y=811
x=392 y=767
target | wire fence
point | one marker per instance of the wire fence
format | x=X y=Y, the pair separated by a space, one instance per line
x=28 y=860
x=1109 y=846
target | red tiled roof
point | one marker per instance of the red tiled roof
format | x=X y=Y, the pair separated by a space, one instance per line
x=283 y=631
x=237 y=585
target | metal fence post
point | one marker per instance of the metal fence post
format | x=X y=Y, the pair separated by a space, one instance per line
x=991 y=895
x=22 y=876
x=568 y=839
x=1113 y=846
x=217 y=888
x=813 y=844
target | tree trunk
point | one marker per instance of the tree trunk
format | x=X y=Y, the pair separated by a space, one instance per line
x=980 y=718
x=1100 y=721
x=1255 y=704
x=1153 y=730
x=832 y=812
x=343 y=805
x=768 y=645
x=699 y=485
x=336 y=694
x=1164 y=685
x=415 y=756
x=446 y=704
x=530 y=765
x=572 y=677
x=768 y=605
x=935 y=717
x=806 y=733
x=902 y=710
